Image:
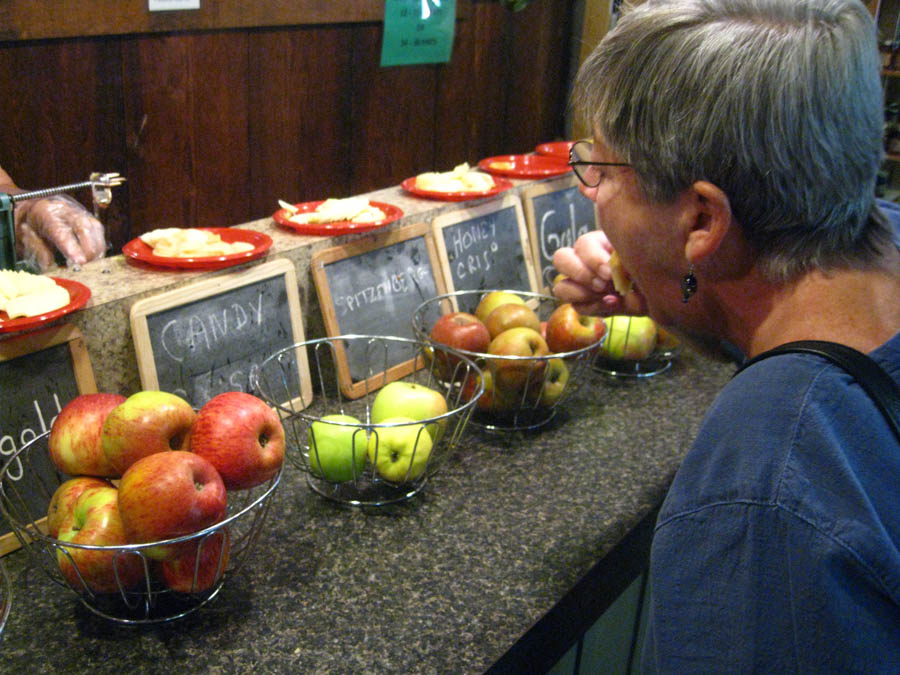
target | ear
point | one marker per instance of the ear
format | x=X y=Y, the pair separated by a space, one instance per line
x=709 y=219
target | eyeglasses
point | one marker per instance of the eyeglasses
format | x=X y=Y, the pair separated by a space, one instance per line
x=584 y=168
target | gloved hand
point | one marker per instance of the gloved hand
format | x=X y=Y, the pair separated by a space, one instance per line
x=57 y=223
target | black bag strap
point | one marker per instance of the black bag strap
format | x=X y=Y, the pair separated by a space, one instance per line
x=880 y=386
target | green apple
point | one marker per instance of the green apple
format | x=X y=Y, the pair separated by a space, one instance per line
x=399 y=452
x=629 y=337
x=555 y=382
x=491 y=301
x=337 y=448
x=413 y=400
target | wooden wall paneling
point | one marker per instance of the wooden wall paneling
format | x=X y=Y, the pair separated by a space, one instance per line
x=393 y=116
x=186 y=116
x=61 y=110
x=220 y=117
x=471 y=90
x=300 y=107
x=38 y=19
x=538 y=72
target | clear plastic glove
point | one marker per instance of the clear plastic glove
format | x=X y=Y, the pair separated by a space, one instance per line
x=57 y=223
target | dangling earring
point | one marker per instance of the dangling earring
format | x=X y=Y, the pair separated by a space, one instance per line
x=688 y=285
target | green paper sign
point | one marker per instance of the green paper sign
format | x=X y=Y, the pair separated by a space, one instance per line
x=417 y=31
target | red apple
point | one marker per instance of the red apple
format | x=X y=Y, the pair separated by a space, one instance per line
x=74 y=441
x=461 y=330
x=510 y=315
x=146 y=423
x=168 y=495
x=201 y=568
x=568 y=331
x=242 y=436
x=514 y=374
x=64 y=497
x=95 y=521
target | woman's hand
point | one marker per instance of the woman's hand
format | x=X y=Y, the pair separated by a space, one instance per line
x=57 y=223
x=588 y=278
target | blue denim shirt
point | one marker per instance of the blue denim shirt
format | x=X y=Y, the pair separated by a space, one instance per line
x=777 y=549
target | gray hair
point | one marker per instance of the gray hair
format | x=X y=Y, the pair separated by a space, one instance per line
x=777 y=102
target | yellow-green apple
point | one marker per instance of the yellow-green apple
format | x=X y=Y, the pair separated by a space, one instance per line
x=168 y=495
x=549 y=392
x=568 y=331
x=202 y=567
x=413 y=400
x=64 y=497
x=337 y=448
x=400 y=452
x=491 y=399
x=511 y=315
x=493 y=299
x=242 y=436
x=74 y=440
x=629 y=337
x=514 y=374
x=145 y=423
x=95 y=521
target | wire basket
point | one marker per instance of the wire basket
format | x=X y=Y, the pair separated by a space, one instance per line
x=26 y=488
x=530 y=390
x=346 y=460
x=5 y=597
x=636 y=347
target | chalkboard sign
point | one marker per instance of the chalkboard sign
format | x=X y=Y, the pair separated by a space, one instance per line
x=209 y=337
x=39 y=373
x=372 y=286
x=486 y=247
x=557 y=214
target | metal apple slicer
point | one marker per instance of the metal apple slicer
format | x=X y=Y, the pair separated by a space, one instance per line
x=101 y=185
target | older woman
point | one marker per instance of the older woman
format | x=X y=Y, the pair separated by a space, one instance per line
x=733 y=165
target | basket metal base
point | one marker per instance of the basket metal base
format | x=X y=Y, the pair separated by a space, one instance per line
x=165 y=607
x=632 y=369
x=364 y=491
x=522 y=420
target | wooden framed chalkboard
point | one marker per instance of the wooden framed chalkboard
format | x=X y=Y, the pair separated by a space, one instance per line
x=209 y=337
x=486 y=247
x=40 y=372
x=557 y=214
x=372 y=286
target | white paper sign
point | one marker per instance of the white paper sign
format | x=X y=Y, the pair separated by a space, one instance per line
x=167 y=5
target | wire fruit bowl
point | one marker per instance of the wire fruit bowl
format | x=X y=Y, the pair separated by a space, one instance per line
x=5 y=597
x=530 y=389
x=25 y=494
x=635 y=348
x=346 y=459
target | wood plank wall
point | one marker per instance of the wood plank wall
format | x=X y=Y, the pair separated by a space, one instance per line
x=212 y=127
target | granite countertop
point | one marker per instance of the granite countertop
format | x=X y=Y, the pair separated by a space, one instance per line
x=447 y=582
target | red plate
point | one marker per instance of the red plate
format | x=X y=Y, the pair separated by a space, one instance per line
x=524 y=166
x=391 y=213
x=136 y=249
x=79 y=294
x=555 y=149
x=500 y=184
